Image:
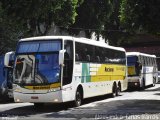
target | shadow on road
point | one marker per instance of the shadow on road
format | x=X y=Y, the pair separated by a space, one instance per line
x=6 y=101
x=120 y=108
x=66 y=110
x=114 y=108
x=26 y=111
x=142 y=90
x=30 y=110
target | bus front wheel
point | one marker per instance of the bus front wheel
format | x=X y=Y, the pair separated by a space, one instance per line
x=78 y=98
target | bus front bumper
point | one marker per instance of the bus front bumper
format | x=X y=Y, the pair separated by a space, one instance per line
x=133 y=84
x=50 y=97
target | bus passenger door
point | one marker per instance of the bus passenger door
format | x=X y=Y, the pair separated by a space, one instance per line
x=68 y=62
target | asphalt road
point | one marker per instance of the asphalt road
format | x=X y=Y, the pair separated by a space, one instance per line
x=131 y=105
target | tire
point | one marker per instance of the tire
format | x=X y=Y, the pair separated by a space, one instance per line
x=78 y=98
x=118 y=92
x=114 y=90
x=118 y=89
x=154 y=81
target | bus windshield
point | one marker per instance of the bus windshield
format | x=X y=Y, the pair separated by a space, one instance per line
x=132 y=63
x=37 y=66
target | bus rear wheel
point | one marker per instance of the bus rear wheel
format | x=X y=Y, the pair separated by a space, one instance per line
x=118 y=92
x=114 y=90
x=154 y=81
x=78 y=99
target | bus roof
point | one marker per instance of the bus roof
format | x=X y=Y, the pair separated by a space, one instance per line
x=139 y=53
x=81 y=40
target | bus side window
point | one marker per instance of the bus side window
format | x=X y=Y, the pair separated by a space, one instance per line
x=147 y=59
x=68 y=62
x=107 y=55
x=89 y=53
x=106 y=60
x=97 y=54
x=77 y=57
x=152 y=61
x=79 y=51
x=98 y=59
x=88 y=58
x=142 y=59
x=66 y=56
x=102 y=57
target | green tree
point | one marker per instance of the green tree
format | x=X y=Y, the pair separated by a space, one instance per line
x=139 y=16
x=38 y=15
x=33 y=17
x=112 y=31
x=92 y=15
x=9 y=32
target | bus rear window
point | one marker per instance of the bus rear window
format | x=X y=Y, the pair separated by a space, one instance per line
x=132 y=59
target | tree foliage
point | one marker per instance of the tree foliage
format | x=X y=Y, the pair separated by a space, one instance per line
x=34 y=17
x=9 y=31
x=92 y=16
x=38 y=15
x=112 y=31
x=110 y=18
x=140 y=16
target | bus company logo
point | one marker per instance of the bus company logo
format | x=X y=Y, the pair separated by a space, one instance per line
x=41 y=87
x=109 y=69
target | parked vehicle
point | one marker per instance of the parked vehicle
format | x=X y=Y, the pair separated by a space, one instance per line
x=6 y=76
x=142 y=69
x=57 y=69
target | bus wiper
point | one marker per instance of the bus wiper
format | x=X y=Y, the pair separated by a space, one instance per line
x=16 y=81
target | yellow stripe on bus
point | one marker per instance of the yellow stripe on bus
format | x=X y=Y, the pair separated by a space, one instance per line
x=109 y=72
x=106 y=78
x=43 y=87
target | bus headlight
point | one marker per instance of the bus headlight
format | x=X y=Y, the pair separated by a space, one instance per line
x=54 y=89
x=17 y=90
x=17 y=100
x=55 y=100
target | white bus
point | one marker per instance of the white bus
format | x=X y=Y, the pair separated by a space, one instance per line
x=142 y=69
x=56 y=69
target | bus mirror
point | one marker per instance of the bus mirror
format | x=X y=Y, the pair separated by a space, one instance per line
x=61 y=57
x=8 y=59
